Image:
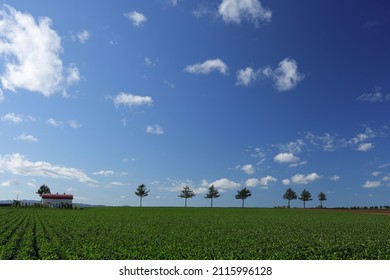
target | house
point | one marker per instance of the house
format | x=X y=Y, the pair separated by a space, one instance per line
x=57 y=200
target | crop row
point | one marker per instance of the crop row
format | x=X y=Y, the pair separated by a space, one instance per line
x=176 y=233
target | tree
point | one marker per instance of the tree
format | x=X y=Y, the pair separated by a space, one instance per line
x=43 y=190
x=213 y=193
x=142 y=191
x=305 y=196
x=186 y=193
x=243 y=194
x=289 y=195
x=321 y=197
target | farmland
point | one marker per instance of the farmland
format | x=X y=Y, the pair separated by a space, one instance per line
x=191 y=233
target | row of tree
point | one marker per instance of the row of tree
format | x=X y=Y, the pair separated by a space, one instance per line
x=242 y=194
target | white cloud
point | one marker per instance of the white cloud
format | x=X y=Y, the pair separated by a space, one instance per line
x=104 y=173
x=169 y=84
x=246 y=76
x=264 y=181
x=238 y=10
x=286 y=76
x=155 y=129
x=201 y=11
x=173 y=2
x=286 y=182
x=221 y=184
x=376 y=173
x=248 y=169
x=117 y=184
x=2 y=98
x=207 y=66
x=26 y=137
x=130 y=100
x=17 y=164
x=364 y=147
x=253 y=182
x=386 y=178
x=286 y=158
x=371 y=184
x=26 y=43
x=335 y=178
x=73 y=75
x=9 y=183
x=83 y=36
x=374 y=97
x=54 y=122
x=297 y=164
x=148 y=61
x=136 y=18
x=12 y=118
x=300 y=179
x=74 y=124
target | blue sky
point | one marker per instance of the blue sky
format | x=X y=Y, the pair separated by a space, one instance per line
x=98 y=97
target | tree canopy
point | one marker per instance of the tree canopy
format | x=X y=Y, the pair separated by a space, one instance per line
x=243 y=194
x=305 y=196
x=322 y=197
x=142 y=192
x=289 y=195
x=43 y=190
x=186 y=193
x=213 y=193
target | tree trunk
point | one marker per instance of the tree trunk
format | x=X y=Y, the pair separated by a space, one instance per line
x=140 y=201
x=185 y=202
x=288 y=205
x=304 y=204
x=321 y=203
x=243 y=203
x=211 y=202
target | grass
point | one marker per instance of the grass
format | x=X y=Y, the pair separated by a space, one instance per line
x=191 y=233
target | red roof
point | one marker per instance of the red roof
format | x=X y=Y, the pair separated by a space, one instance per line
x=58 y=196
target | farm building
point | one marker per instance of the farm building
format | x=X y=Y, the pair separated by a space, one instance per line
x=56 y=200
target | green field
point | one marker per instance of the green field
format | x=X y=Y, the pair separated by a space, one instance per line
x=191 y=233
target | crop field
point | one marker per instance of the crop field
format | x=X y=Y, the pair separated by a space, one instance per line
x=191 y=233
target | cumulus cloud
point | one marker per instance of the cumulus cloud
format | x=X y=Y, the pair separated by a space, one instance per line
x=300 y=179
x=12 y=118
x=335 y=178
x=26 y=138
x=286 y=182
x=17 y=164
x=286 y=158
x=371 y=184
x=83 y=36
x=207 y=67
x=136 y=18
x=264 y=181
x=285 y=76
x=221 y=184
x=364 y=147
x=54 y=122
x=130 y=100
x=246 y=76
x=74 y=124
x=25 y=43
x=248 y=169
x=154 y=129
x=238 y=10
x=376 y=97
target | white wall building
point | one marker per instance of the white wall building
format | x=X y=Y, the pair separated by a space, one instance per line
x=57 y=199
